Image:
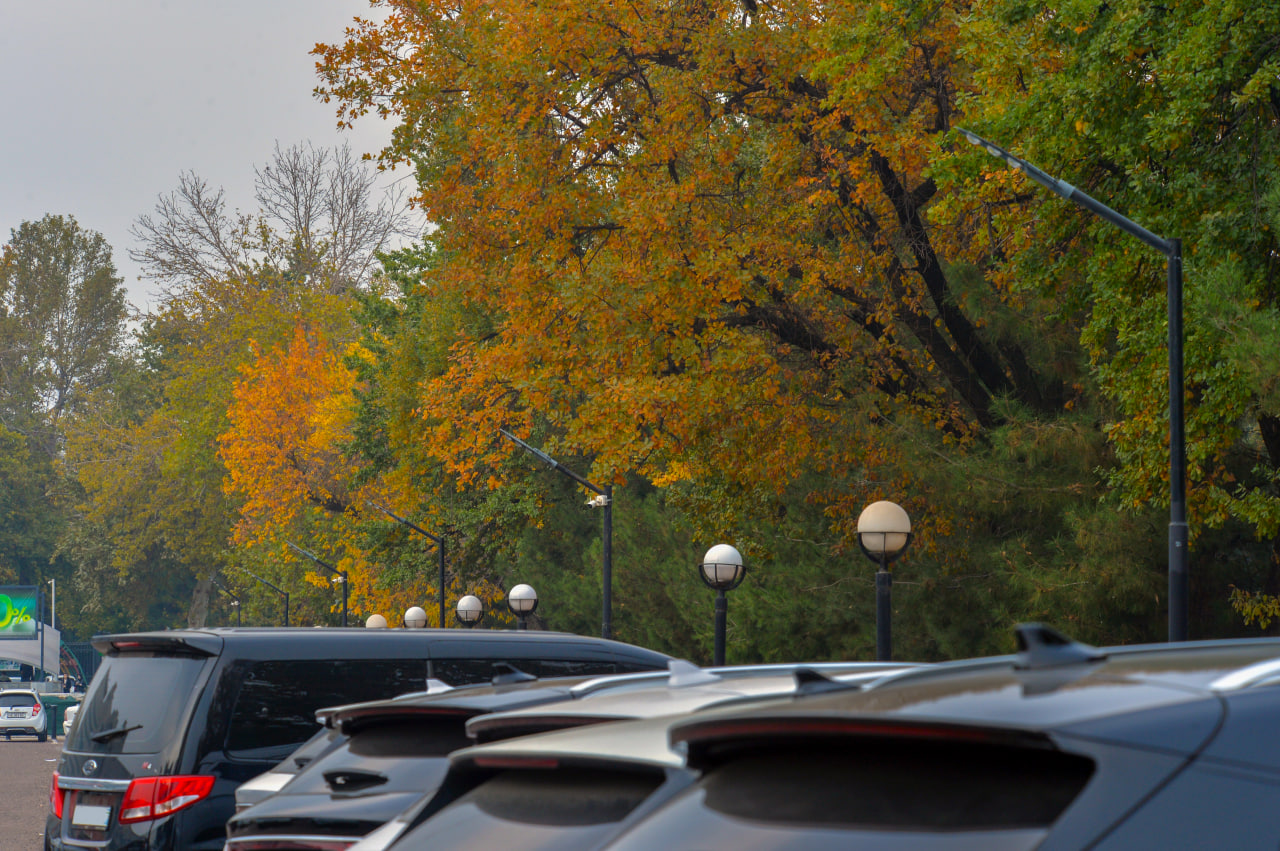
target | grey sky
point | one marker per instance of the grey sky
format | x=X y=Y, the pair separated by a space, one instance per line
x=106 y=102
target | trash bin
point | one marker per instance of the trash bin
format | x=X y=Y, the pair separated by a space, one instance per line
x=56 y=705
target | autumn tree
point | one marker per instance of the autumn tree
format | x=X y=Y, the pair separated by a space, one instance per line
x=705 y=245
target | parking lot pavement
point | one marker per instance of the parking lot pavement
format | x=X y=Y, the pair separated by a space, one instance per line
x=26 y=766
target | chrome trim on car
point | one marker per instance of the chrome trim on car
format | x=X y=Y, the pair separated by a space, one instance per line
x=92 y=784
x=1260 y=674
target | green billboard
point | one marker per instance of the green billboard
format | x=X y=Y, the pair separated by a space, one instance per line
x=19 y=607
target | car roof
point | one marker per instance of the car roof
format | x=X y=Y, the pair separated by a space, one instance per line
x=1011 y=693
x=688 y=688
x=212 y=641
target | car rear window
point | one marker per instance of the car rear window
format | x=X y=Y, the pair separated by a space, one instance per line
x=562 y=809
x=136 y=703
x=8 y=700
x=875 y=796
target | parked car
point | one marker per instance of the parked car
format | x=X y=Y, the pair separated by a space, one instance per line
x=381 y=757
x=69 y=717
x=22 y=714
x=573 y=787
x=174 y=721
x=1061 y=746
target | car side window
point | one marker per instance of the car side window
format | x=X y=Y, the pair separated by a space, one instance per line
x=276 y=704
x=458 y=672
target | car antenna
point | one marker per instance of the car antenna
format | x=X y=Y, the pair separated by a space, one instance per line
x=1042 y=646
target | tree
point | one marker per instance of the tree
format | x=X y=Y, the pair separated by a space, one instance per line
x=318 y=221
x=1168 y=113
x=62 y=315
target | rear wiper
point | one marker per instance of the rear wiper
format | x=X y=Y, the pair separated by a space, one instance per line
x=114 y=732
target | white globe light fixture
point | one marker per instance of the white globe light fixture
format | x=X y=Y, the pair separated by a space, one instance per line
x=722 y=570
x=415 y=617
x=375 y=622
x=522 y=600
x=884 y=530
x=469 y=610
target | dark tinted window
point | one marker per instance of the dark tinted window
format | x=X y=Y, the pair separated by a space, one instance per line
x=17 y=700
x=873 y=797
x=458 y=672
x=564 y=809
x=136 y=703
x=276 y=704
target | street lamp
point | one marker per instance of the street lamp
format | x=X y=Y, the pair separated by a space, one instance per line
x=884 y=530
x=415 y=617
x=722 y=570
x=603 y=499
x=1179 y=557
x=439 y=542
x=339 y=578
x=375 y=622
x=522 y=600
x=470 y=610
x=277 y=588
x=235 y=601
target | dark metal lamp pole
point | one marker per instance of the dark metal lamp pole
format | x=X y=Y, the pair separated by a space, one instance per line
x=1179 y=556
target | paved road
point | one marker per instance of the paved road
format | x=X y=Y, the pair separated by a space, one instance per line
x=26 y=766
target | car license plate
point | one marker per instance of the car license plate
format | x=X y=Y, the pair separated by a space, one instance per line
x=85 y=815
x=15 y=715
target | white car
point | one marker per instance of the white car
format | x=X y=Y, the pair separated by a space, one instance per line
x=68 y=717
x=22 y=713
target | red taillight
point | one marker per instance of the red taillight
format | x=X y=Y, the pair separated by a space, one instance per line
x=35 y=710
x=55 y=796
x=153 y=797
x=310 y=844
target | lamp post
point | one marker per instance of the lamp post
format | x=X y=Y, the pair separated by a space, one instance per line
x=522 y=600
x=439 y=542
x=277 y=588
x=470 y=610
x=235 y=601
x=603 y=499
x=340 y=576
x=884 y=530
x=415 y=617
x=1179 y=557
x=722 y=570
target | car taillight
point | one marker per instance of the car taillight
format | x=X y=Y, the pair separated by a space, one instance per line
x=153 y=797
x=55 y=796
x=286 y=844
x=35 y=710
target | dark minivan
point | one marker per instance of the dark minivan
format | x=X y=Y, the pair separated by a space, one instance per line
x=174 y=721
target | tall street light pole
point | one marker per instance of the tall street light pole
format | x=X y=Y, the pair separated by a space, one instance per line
x=439 y=542
x=603 y=499
x=1179 y=558
x=340 y=575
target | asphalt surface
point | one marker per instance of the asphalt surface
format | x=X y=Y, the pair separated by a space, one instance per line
x=26 y=767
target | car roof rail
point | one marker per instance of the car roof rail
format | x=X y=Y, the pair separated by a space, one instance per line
x=1042 y=646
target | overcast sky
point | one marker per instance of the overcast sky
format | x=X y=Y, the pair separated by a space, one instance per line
x=107 y=102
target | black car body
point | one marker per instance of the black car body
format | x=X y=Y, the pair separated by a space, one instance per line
x=174 y=721
x=1059 y=747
